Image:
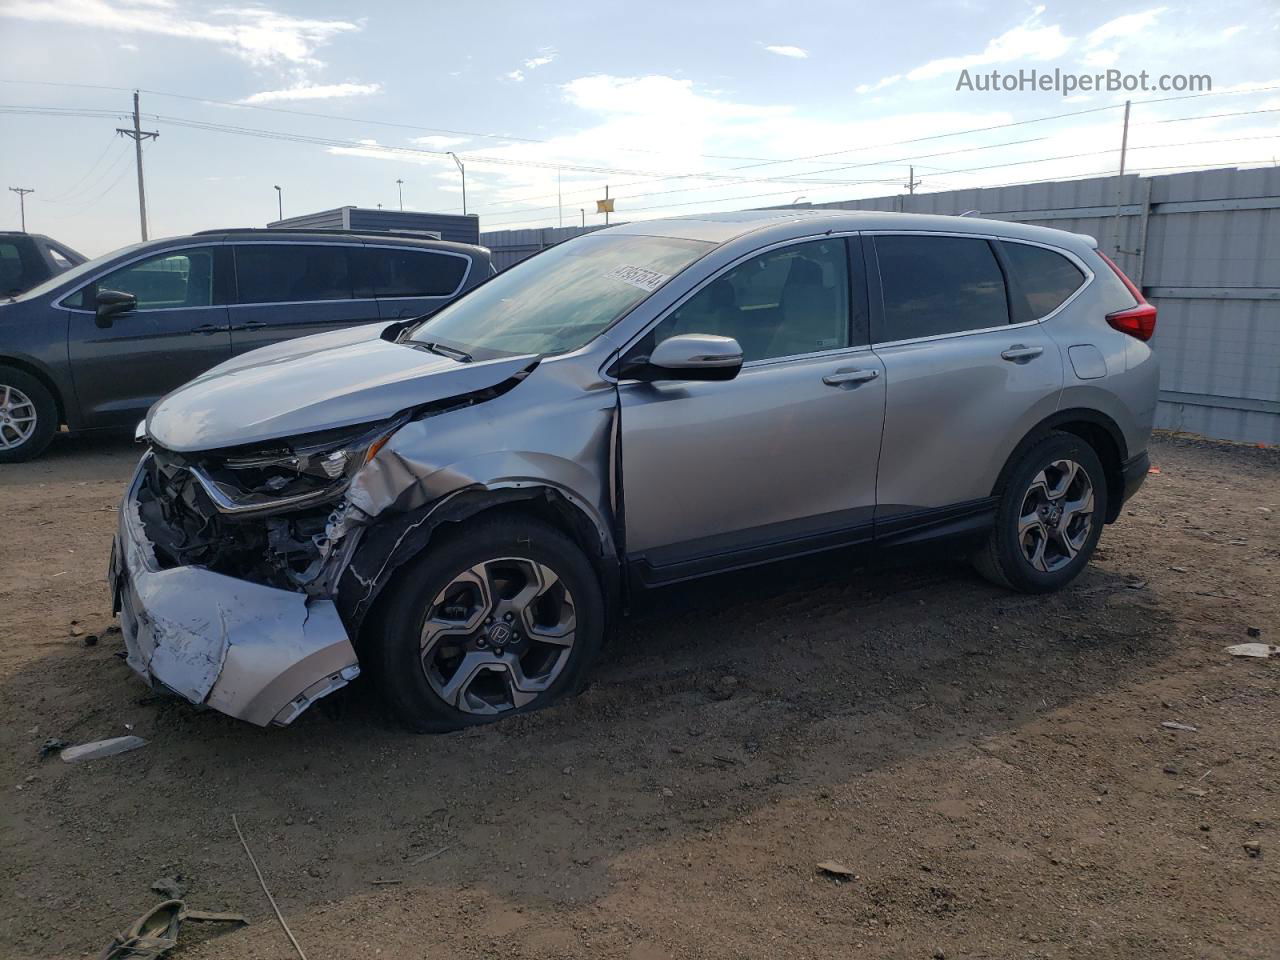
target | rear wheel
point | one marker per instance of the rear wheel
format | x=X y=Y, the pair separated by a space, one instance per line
x=1049 y=517
x=28 y=416
x=500 y=617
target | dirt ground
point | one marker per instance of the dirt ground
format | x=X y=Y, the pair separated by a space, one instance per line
x=992 y=767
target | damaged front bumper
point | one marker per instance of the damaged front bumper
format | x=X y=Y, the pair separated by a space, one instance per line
x=255 y=652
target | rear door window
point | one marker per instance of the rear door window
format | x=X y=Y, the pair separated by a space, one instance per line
x=401 y=272
x=1046 y=279
x=935 y=285
x=292 y=273
x=11 y=272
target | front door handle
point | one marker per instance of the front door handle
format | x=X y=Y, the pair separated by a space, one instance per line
x=849 y=376
x=1019 y=353
x=208 y=328
x=253 y=324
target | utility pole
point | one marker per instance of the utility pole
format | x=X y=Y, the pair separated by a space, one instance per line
x=912 y=182
x=137 y=135
x=606 y=207
x=583 y=211
x=559 y=199
x=400 y=187
x=279 y=202
x=1124 y=149
x=22 y=203
x=462 y=170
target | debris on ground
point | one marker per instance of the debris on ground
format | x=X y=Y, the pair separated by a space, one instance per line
x=171 y=888
x=836 y=869
x=1253 y=848
x=101 y=748
x=1171 y=725
x=1259 y=650
x=1254 y=632
x=52 y=745
x=723 y=687
x=76 y=629
x=155 y=933
x=90 y=640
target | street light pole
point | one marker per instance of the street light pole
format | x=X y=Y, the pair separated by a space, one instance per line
x=22 y=203
x=462 y=170
x=583 y=211
x=400 y=188
x=279 y=202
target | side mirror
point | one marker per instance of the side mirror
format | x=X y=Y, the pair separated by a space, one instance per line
x=689 y=356
x=113 y=302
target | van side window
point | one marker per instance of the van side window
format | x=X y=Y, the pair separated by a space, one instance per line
x=288 y=272
x=391 y=272
x=1045 y=278
x=182 y=278
x=938 y=285
x=784 y=303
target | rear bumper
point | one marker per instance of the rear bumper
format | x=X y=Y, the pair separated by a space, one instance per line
x=1134 y=473
x=250 y=651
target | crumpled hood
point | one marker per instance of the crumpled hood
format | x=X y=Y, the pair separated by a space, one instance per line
x=322 y=382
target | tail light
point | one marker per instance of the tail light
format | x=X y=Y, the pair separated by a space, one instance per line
x=1138 y=321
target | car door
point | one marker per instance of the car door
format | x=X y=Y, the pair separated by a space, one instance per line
x=409 y=281
x=122 y=364
x=286 y=290
x=780 y=460
x=965 y=380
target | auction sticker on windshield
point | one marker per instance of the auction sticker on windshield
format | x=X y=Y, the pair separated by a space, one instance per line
x=639 y=277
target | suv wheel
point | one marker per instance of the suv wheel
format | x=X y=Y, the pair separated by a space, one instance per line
x=501 y=617
x=1049 y=517
x=28 y=416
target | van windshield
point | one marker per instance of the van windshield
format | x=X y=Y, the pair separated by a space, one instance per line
x=561 y=299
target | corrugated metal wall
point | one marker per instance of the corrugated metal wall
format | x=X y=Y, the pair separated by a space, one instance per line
x=450 y=226
x=1204 y=246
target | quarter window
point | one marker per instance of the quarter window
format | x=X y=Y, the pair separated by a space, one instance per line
x=412 y=273
x=11 y=274
x=286 y=273
x=183 y=278
x=787 y=302
x=938 y=285
x=1045 y=278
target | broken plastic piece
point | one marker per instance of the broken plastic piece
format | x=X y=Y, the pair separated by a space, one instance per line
x=101 y=748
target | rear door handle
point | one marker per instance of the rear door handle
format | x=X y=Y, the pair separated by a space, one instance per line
x=849 y=376
x=253 y=324
x=208 y=328
x=1020 y=354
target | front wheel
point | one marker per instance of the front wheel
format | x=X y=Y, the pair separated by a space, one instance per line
x=28 y=416
x=497 y=618
x=1049 y=517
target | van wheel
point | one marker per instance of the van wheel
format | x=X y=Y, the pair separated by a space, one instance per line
x=499 y=617
x=1049 y=517
x=28 y=416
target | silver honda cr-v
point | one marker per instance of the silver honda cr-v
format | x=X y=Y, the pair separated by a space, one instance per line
x=463 y=505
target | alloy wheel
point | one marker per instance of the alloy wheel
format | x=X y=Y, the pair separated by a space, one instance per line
x=17 y=417
x=1056 y=516
x=498 y=635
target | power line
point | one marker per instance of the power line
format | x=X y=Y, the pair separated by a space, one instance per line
x=84 y=184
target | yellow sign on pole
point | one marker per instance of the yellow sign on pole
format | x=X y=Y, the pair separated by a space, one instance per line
x=604 y=206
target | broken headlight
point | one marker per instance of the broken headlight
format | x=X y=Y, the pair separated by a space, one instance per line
x=291 y=474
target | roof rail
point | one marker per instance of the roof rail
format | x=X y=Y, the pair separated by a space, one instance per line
x=337 y=231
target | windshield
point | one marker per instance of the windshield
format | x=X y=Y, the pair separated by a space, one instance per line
x=562 y=298
x=69 y=278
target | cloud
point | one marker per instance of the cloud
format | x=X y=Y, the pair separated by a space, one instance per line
x=878 y=85
x=1121 y=27
x=315 y=91
x=545 y=56
x=785 y=50
x=129 y=47
x=1027 y=41
x=437 y=142
x=515 y=76
x=255 y=34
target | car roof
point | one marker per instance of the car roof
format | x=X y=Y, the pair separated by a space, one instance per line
x=776 y=225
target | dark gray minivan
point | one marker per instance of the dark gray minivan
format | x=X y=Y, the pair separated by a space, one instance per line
x=94 y=347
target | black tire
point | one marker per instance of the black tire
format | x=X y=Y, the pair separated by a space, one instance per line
x=1002 y=559
x=46 y=412
x=395 y=651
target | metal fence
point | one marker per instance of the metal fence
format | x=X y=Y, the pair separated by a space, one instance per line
x=1204 y=247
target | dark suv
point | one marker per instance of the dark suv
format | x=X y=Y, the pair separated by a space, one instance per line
x=95 y=346
x=30 y=258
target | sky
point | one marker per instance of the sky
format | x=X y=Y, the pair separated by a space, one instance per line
x=677 y=107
